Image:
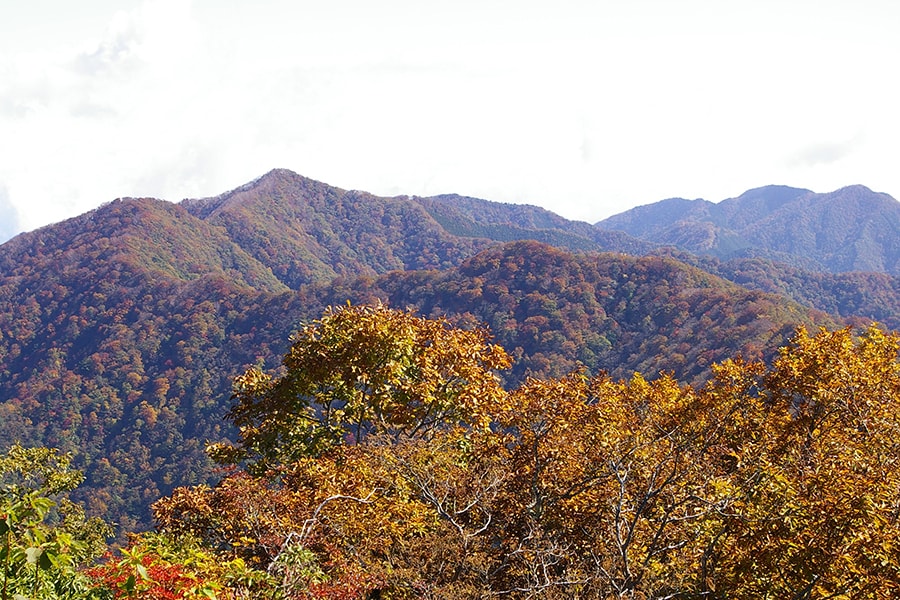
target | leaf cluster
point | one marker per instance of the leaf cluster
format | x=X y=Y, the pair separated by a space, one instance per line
x=45 y=538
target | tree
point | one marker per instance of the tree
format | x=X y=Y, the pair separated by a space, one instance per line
x=819 y=513
x=359 y=371
x=166 y=567
x=611 y=485
x=45 y=537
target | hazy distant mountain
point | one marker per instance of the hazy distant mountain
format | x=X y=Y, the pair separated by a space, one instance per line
x=120 y=330
x=851 y=229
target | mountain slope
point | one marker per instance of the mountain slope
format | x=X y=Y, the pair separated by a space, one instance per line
x=120 y=330
x=855 y=296
x=851 y=229
x=472 y=217
x=554 y=310
x=133 y=234
x=130 y=369
x=308 y=231
x=117 y=329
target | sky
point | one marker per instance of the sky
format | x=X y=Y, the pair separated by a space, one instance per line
x=584 y=107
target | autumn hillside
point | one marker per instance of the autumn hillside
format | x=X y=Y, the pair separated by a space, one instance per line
x=308 y=232
x=556 y=311
x=121 y=329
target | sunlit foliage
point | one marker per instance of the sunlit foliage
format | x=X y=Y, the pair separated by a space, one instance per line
x=766 y=482
x=44 y=537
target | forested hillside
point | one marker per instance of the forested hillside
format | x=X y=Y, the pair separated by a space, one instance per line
x=554 y=310
x=472 y=217
x=306 y=231
x=121 y=330
x=854 y=295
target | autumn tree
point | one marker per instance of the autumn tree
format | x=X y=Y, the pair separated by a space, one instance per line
x=819 y=477
x=363 y=370
x=384 y=458
x=167 y=567
x=316 y=440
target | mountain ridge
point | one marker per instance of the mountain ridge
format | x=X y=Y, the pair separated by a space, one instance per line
x=849 y=229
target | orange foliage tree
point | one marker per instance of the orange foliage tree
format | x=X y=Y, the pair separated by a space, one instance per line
x=386 y=461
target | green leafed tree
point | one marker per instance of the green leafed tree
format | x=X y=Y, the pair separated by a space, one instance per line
x=44 y=537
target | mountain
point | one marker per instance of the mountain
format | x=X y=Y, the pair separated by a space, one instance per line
x=555 y=310
x=307 y=231
x=121 y=329
x=856 y=296
x=851 y=229
x=473 y=217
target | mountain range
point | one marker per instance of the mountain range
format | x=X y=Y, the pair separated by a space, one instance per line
x=851 y=229
x=121 y=329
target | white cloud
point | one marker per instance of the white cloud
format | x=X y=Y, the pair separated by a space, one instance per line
x=118 y=52
x=825 y=153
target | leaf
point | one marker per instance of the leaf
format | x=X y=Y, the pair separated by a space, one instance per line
x=32 y=554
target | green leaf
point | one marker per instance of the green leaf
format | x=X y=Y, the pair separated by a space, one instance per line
x=45 y=562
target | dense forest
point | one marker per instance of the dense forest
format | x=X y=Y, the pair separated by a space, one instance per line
x=385 y=459
x=136 y=380
x=857 y=296
x=137 y=337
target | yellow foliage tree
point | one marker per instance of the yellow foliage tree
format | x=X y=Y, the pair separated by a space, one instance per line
x=363 y=370
x=385 y=460
x=820 y=474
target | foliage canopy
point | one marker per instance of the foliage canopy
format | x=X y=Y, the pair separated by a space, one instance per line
x=384 y=476
x=361 y=371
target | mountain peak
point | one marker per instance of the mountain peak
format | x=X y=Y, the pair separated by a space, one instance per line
x=272 y=180
x=861 y=192
x=772 y=195
x=856 y=188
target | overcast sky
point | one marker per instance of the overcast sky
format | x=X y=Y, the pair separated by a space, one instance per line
x=584 y=107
